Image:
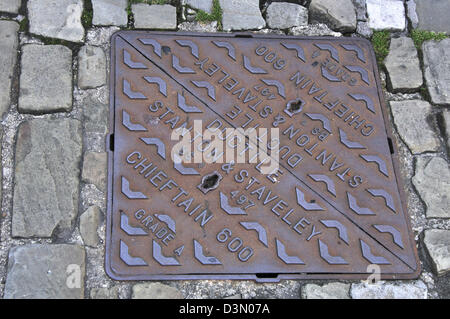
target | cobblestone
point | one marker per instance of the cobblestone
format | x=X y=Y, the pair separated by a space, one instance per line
x=10 y=6
x=48 y=156
x=94 y=169
x=410 y=117
x=95 y=111
x=89 y=223
x=433 y=17
x=9 y=42
x=339 y=15
x=386 y=15
x=360 y=9
x=241 y=15
x=46 y=79
x=110 y=12
x=56 y=19
x=403 y=66
x=45 y=272
x=446 y=118
x=432 y=181
x=412 y=14
x=154 y=16
x=436 y=62
x=283 y=15
x=437 y=244
x=91 y=67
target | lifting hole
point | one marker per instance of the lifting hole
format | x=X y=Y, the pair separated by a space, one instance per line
x=295 y=106
x=210 y=181
x=267 y=275
x=165 y=49
x=243 y=36
x=111 y=142
x=391 y=146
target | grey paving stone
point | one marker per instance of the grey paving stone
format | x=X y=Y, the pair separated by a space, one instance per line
x=45 y=79
x=283 y=15
x=333 y=290
x=94 y=169
x=154 y=16
x=436 y=60
x=360 y=9
x=110 y=12
x=403 y=66
x=241 y=15
x=48 y=156
x=91 y=67
x=410 y=117
x=10 y=6
x=363 y=29
x=314 y=30
x=437 y=244
x=432 y=181
x=339 y=15
x=433 y=15
x=386 y=15
x=412 y=14
x=198 y=26
x=89 y=222
x=56 y=19
x=155 y=291
x=95 y=114
x=446 y=118
x=105 y=293
x=45 y=271
x=205 y=5
x=8 y=58
x=389 y=290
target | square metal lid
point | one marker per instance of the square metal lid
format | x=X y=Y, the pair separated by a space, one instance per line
x=334 y=209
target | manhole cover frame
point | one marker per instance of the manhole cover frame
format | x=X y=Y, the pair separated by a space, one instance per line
x=245 y=276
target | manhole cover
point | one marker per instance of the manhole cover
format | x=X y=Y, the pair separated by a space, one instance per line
x=332 y=209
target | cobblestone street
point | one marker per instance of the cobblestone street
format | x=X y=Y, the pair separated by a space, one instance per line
x=54 y=108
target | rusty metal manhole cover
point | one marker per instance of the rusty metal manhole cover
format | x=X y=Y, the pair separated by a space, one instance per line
x=334 y=207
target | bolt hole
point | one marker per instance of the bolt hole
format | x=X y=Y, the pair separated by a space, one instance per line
x=295 y=106
x=315 y=63
x=165 y=49
x=313 y=201
x=210 y=181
